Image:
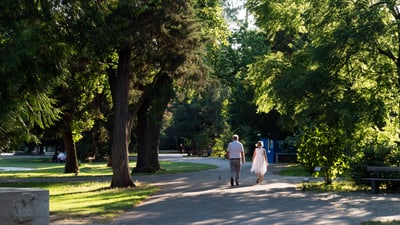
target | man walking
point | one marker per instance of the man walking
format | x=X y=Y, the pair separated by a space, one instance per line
x=236 y=157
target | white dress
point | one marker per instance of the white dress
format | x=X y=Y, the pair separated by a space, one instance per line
x=259 y=164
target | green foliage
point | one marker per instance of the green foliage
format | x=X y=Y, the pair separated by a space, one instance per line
x=333 y=74
x=31 y=64
x=322 y=147
x=231 y=66
x=199 y=121
x=210 y=14
x=337 y=185
x=232 y=103
x=197 y=117
x=375 y=148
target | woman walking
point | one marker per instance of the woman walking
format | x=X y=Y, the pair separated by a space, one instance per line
x=260 y=162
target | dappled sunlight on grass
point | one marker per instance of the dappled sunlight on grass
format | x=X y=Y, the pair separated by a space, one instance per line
x=92 y=200
x=293 y=170
x=67 y=188
x=95 y=198
x=88 y=199
x=336 y=186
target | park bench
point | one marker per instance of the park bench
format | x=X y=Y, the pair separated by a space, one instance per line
x=380 y=174
x=307 y=180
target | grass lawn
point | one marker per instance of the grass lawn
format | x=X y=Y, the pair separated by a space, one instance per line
x=91 y=201
x=43 y=167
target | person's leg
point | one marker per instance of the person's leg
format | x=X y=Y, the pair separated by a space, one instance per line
x=261 y=178
x=237 y=171
x=232 y=167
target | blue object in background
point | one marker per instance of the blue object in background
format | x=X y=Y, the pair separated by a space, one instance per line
x=269 y=145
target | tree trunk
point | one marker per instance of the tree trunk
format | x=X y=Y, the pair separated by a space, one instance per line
x=147 y=157
x=149 y=124
x=71 y=165
x=121 y=130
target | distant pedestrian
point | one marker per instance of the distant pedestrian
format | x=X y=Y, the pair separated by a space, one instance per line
x=235 y=153
x=181 y=149
x=61 y=157
x=259 y=162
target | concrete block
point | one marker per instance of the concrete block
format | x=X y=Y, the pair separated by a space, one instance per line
x=24 y=206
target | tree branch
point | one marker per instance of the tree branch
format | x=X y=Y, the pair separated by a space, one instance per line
x=389 y=54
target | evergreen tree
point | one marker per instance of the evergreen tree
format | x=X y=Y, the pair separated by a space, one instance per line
x=31 y=63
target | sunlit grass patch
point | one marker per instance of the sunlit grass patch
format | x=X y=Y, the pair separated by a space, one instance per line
x=56 y=170
x=96 y=199
x=294 y=170
x=87 y=200
x=77 y=200
x=336 y=186
x=32 y=162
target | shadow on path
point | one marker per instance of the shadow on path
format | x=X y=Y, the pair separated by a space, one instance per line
x=205 y=198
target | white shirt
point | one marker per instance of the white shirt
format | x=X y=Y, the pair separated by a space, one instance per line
x=234 y=150
x=61 y=156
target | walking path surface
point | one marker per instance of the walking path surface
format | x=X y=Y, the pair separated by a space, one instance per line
x=205 y=198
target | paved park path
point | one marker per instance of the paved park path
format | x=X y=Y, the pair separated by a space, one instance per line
x=206 y=198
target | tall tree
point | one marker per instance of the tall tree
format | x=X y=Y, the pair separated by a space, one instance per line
x=177 y=55
x=126 y=21
x=150 y=30
x=31 y=64
x=114 y=22
x=245 y=46
x=85 y=74
x=149 y=121
x=333 y=76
